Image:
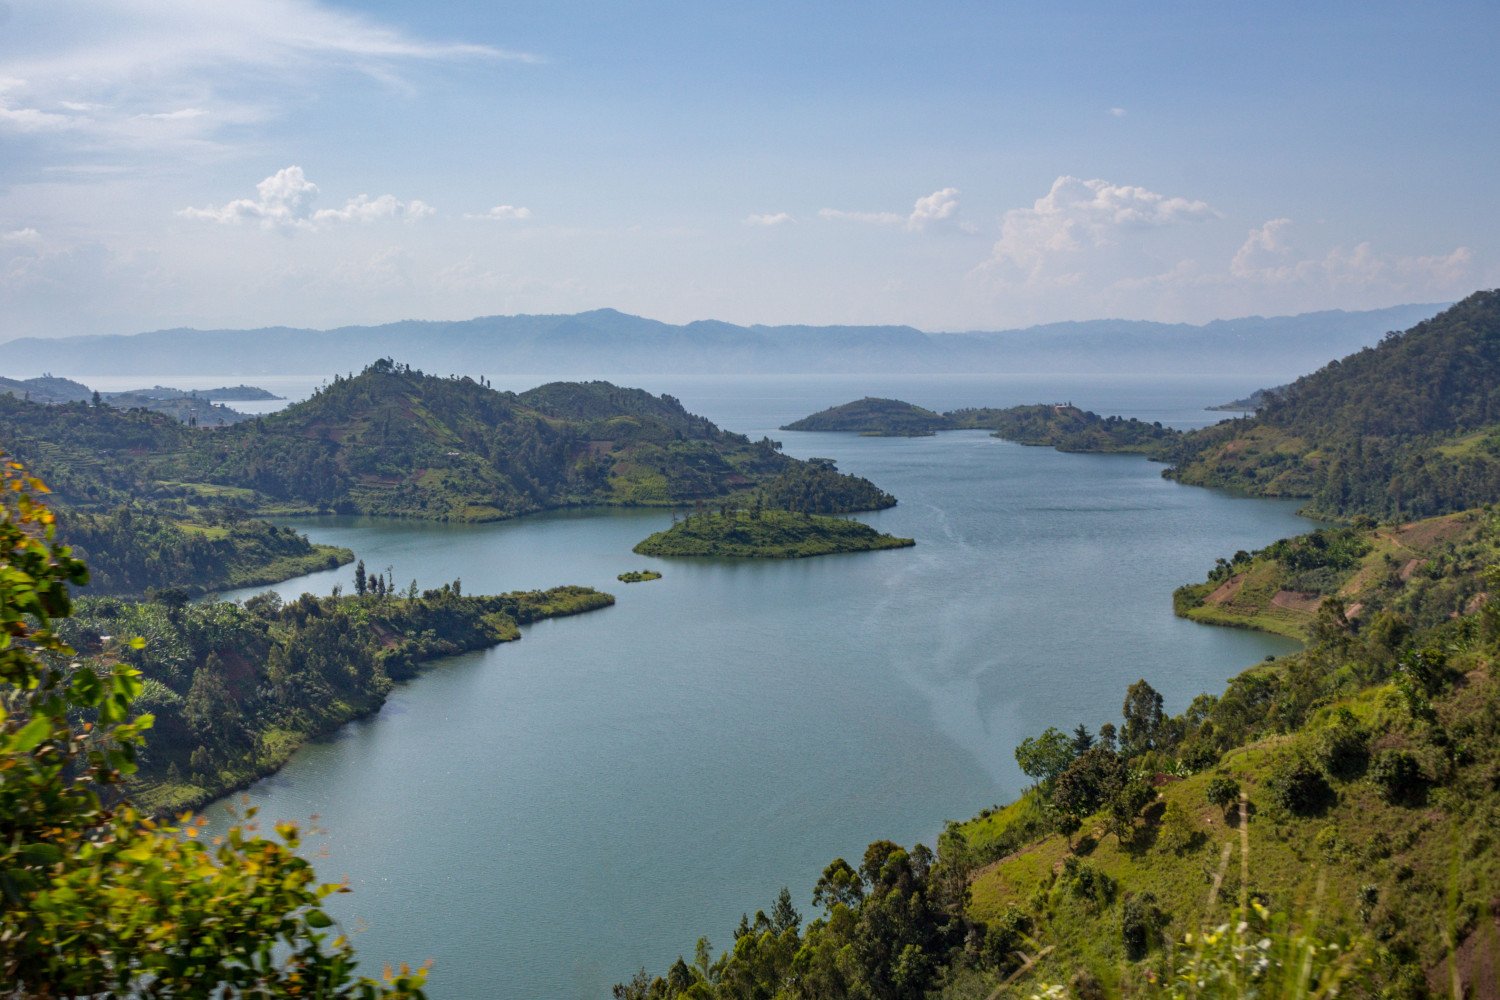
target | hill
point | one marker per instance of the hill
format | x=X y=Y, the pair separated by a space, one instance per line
x=1058 y=425
x=395 y=441
x=1407 y=428
x=607 y=341
x=874 y=416
x=766 y=534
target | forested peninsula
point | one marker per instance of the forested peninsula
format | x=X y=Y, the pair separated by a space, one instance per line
x=235 y=689
x=1059 y=425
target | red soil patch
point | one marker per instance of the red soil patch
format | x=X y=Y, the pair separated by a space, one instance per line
x=1226 y=591
x=1422 y=535
x=1476 y=962
x=1353 y=610
x=1412 y=565
x=1295 y=601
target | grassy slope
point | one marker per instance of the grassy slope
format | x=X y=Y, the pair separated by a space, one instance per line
x=774 y=534
x=1432 y=865
x=1426 y=569
x=1419 y=858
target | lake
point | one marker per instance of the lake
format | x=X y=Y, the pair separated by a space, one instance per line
x=543 y=818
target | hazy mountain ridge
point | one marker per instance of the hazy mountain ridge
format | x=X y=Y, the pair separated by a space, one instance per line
x=606 y=341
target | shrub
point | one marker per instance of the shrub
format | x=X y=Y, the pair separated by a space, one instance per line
x=1223 y=791
x=1343 y=748
x=1141 y=920
x=1398 y=776
x=1297 y=786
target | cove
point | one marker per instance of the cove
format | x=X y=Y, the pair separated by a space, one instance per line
x=543 y=818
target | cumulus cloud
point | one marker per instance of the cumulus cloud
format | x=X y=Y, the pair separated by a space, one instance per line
x=284 y=201
x=1118 y=112
x=27 y=235
x=1078 y=214
x=936 y=207
x=503 y=213
x=1268 y=256
x=768 y=219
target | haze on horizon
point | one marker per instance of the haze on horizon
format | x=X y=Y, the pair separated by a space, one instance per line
x=975 y=166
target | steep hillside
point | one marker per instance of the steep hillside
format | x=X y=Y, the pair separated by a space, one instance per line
x=1408 y=428
x=394 y=441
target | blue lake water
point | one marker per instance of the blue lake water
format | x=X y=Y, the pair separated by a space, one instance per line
x=543 y=818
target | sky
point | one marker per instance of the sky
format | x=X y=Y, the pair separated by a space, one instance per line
x=951 y=166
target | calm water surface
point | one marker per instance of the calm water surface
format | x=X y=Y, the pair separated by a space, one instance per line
x=545 y=817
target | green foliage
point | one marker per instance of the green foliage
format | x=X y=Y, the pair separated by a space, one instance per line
x=817 y=487
x=236 y=689
x=1398 y=776
x=774 y=534
x=1042 y=758
x=393 y=441
x=887 y=931
x=1223 y=791
x=1343 y=749
x=1401 y=430
x=638 y=576
x=1298 y=787
x=1068 y=428
x=131 y=551
x=99 y=899
x=1141 y=921
x=877 y=417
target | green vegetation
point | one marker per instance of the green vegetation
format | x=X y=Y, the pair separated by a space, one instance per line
x=766 y=534
x=817 y=487
x=1250 y=403
x=236 y=689
x=1407 y=429
x=639 y=576
x=131 y=552
x=393 y=441
x=1059 y=425
x=1067 y=428
x=875 y=417
x=1390 y=578
x=99 y=899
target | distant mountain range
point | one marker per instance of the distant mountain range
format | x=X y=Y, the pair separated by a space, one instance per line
x=607 y=342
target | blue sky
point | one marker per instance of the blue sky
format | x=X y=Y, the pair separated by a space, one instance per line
x=951 y=166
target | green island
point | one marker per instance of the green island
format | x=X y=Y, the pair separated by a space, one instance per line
x=1058 y=425
x=875 y=417
x=1324 y=825
x=639 y=576
x=766 y=534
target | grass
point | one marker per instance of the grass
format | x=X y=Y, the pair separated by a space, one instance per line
x=771 y=534
x=639 y=576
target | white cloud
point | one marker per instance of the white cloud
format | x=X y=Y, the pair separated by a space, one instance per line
x=935 y=207
x=1118 y=112
x=1077 y=214
x=284 y=201
x=27 y=235
x=1268 y=257
x=769 y=219
x=502 y=213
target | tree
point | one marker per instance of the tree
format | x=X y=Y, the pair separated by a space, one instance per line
x=100 y=898
x=1143 y=718
x=784 y=915
x=361 y=582
x=1042 y=758
x=1083 y=740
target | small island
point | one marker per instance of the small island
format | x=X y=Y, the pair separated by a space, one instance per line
x=639 y=576
x=766 y=534
x=875 y=417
